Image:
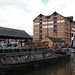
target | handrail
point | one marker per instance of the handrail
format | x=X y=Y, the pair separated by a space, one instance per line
x=20 y=49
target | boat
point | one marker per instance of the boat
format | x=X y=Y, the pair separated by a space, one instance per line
x=30 y=55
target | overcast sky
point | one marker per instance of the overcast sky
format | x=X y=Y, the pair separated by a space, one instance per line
x=19 y=14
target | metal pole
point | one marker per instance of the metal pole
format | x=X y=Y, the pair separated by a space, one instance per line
x=20 y=49
x=8 y=42
x=3 y=49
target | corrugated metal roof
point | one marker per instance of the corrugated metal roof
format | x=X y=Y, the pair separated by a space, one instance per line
x=13 y=33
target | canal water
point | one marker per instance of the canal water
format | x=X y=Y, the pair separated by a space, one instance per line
x=61 y=68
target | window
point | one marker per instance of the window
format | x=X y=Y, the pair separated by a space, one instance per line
x=35 y=29
x=55 y=23
x=40 y=31
x=43 y=28
x=61 y=23
x=48 y=20
x=58 y=15
x=61 y=18
x=55 y=19
x=51 y=28
x=44 y=20
x=35 y=38
x=62 y=32
x=51 y=19
x=58 y=23
x=58 y=18
x=48 y=24
x=55 y=26
x=61 y=27
x=55 y=30
x=48 y=33
x=35 y=33
x=58 y=32
x=62 y=37
x=51 y=32
x=40 y=27
x=48 y=29
x=40 y=17
x=44 y=33
x=55 y=15
x=58 y=27
x=51 y=23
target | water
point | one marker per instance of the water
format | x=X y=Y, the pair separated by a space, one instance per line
x=61 y=68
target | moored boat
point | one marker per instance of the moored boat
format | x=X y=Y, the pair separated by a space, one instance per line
x=16 y=57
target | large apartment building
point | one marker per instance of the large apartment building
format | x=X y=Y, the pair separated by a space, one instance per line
x=54 y=25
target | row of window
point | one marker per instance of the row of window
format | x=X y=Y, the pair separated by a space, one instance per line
x=60 y=27
x=36 y=29
x=48 y=20
x=36 y=33
x=36 y=38
x=60 y=32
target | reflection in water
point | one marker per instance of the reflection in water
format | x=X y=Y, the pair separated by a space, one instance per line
x=56 y=69
x=61 y=68
x=73 y=63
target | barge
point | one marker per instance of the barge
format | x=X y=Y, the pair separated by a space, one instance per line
x=19 y=57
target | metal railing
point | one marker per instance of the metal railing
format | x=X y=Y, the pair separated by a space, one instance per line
x=21 y=49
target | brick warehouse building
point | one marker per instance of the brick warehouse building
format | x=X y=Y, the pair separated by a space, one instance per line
x=54 y=25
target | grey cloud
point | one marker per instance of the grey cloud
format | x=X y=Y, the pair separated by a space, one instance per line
x=11 y=2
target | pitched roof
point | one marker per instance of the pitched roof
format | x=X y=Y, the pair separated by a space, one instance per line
x=48 y=16
x=13 y=33
x=62 y=41
x=38 y=16
x=55 y=39
x=1 y=39
x=70 y=18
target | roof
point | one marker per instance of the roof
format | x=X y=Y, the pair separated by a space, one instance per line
x=48 y=16
x=62 y=41
x=13 y=33
x=1 y=39
x=38 y=16
x=56 y=39
x=70 y=18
